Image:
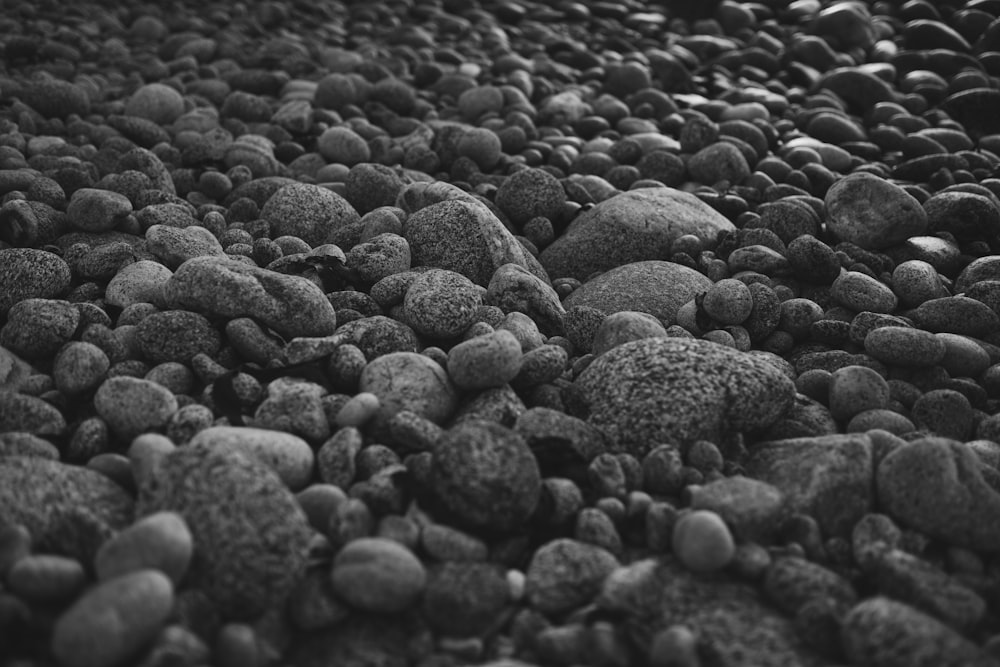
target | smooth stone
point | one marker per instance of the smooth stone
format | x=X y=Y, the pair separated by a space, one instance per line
x=409 y=381
x=936 y=486
x=159 y=542
x=309 y=212
x=904 y=346
x=95 y=210
x=957 y=315
x=156 y=102
x=112 y=621
x=141 y=282
x=289 y=456
x=854 y=389
x=530 y=193
x=860 y=292
x=174 y=246
x=625 y=326
x=290 y=305
x=377 y=574
x=631 y=227
x=656 y=287
x=873 y=213
x=132 y=406
x=659 y=390
x=827 y=477
x=490 y=360
x=753 y=509
x=27 y=273
x=565 y=574
x=963 y=214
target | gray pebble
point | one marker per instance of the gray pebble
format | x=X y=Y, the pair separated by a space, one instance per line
x=485 y=361
x=861 y=292
x=27 y=273
x=79 y=367
x=176 y=335
x=566 y=574
x=132 y=406
x=37 y=328
x=441 y=304
x=97 y=210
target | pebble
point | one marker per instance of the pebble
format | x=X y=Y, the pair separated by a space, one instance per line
x=464 y=599
x=464 y=237
x=79 y=367
x=380 y=256
x=956 y=315
x=251 y=538
x=97 y=211
x=936 y=486
x=944 y=412
x=873 y=213
x=962 y=214
x=140 y=282
x=378 y=575
x=884 y=632
x=963 y=356
x=753 y=510
x=675 y=390
x=371 y=186
x=634 y=226
x=296 y=408
x=854 y=389
x=625 y=326
x=904 y=346
x=26 y=273
x=156 y=102
x=342 y=145
x=566 y=574
x=131 y=406
x=728 y=301
x=654 y=286
x=357 y=411
x=174 y=246
x=512 y=288
x=311 y=213
x=861 y=292
x=159 y=541
x=290 y=305
x=289 y=456
x=530 y=193
x=441 y=304
x=113 y=620
x=38 y=328
x=486 y=476
x=46 y=578
x=721 y=161
x=916 y=281
x=176 y=335
x=702 y=541
x=409 y=381
x=491 y=360
x=792 y=582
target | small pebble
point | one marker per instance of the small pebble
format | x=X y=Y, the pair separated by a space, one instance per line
x=491 y=360
x=132 y=406
x=905 y=346
x=378 y=575
x=357 y=411
x=45 y=578
x=860 y=292
x=854 y=389
x=702 y=541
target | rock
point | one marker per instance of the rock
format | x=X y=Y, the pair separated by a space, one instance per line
x=97 y=210
x=159 y=542
x=485 y=476
x=515 y=289
x=309 y=212
x=441 y=304
x=790 y=583
x=156 y=102
x=904 y=346
x=566 y=574
x=37 y=328
x=342 y=145
x=854 y=389
x=753 y=509
x=53 y=98
x=250 y=535
x=409 y=381
x=957 y=315
x=176 y=335
x=174 y=246
x=655 y=287
x=41 y=495
x=370 y=186
x=379 y=575
x=631 y=227
x=623 y=327
x=290 y=305
x=23 y=413
x=464 y=237
x=944 y=412
x=79 y=367
x=872 y=212
x=464 y=599
x=702 y=541
x=861 y=293
x=490 y=360
x=141 y=282
x=289 y=456
x=936 y=486
x=530 y=193
x=380 y=256
x=721 y=161
x=114 y=620
x=886 y=633
x=132 y=406
x=659 y=390
x=295 y=408
x=827 y=477
x=26 y=273
x=963 y=214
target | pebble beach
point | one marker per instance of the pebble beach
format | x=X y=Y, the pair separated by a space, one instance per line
x=515 y=333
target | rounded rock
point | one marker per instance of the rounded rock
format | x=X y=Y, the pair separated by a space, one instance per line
x=623 y=327
x=27 y=273
x=566 y=574
x=702 y=541
x=97 y=210
x=861 y=292
x=132 y=406
x=441 y=304
x=37 y=328
x=854 y=389
x=873 y=213
x=159 y=541
x=409 y=381
x=491 y=360
x=141 y=282
x=728 y=301
x=379 y=575
x=904 y=346
x=530 y=193
x=342 y=145
x=309 y=212
x=176 y=336
x=465 y=599
x=156 y=102
x=721 y=161
x=289 y=456
x=79 y=367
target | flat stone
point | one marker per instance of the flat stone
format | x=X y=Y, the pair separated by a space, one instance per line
x=290 y=305
x=631 y=227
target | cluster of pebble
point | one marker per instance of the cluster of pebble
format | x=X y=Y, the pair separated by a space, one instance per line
x=503 y=332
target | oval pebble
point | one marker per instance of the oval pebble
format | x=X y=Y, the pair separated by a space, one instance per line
x=156 y=102
x=160 y=541
x=873 y=213
x=46 y=578
x=490 y=360
x=113 y=620
x=702 y=541
x=861 y=292
x=79 y=367
x=623 y=327
x=379 y=575
x=93 y=210
x=286 y=454
x=903 y=346
x=132 y=406
x=963 y=356
x=728 y=301
x=358 y=410
x=441 y=303
x=854 y=389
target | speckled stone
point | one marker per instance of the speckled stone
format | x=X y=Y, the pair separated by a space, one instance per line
x=40 y=494
x=680 y=390
x=566 y=574
x=141 y=282
x=289 y=456
x=291 y=305
x=904 y=346
x=885 y=633
x=251 y=537
x=654 y=286
x=20 y=412
x=464 y=599
x=753 y=509
x=957 y=315
x=631 y=227
x=465 y=237
x=791 y=582
x=936 y=486
x=490 y=360
x=156 y=102
x=409 y=381
x=515 y=289
x=828 y=477
x=486 y=476
x=176 y=335
x=37 y=328
x=132 y=406
x=309 y=212
x=174 y=246
x=872 y=212
x=441 y=303
x=380 y=256
x=93 y=210
x=27 y=273
x=530 y=193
